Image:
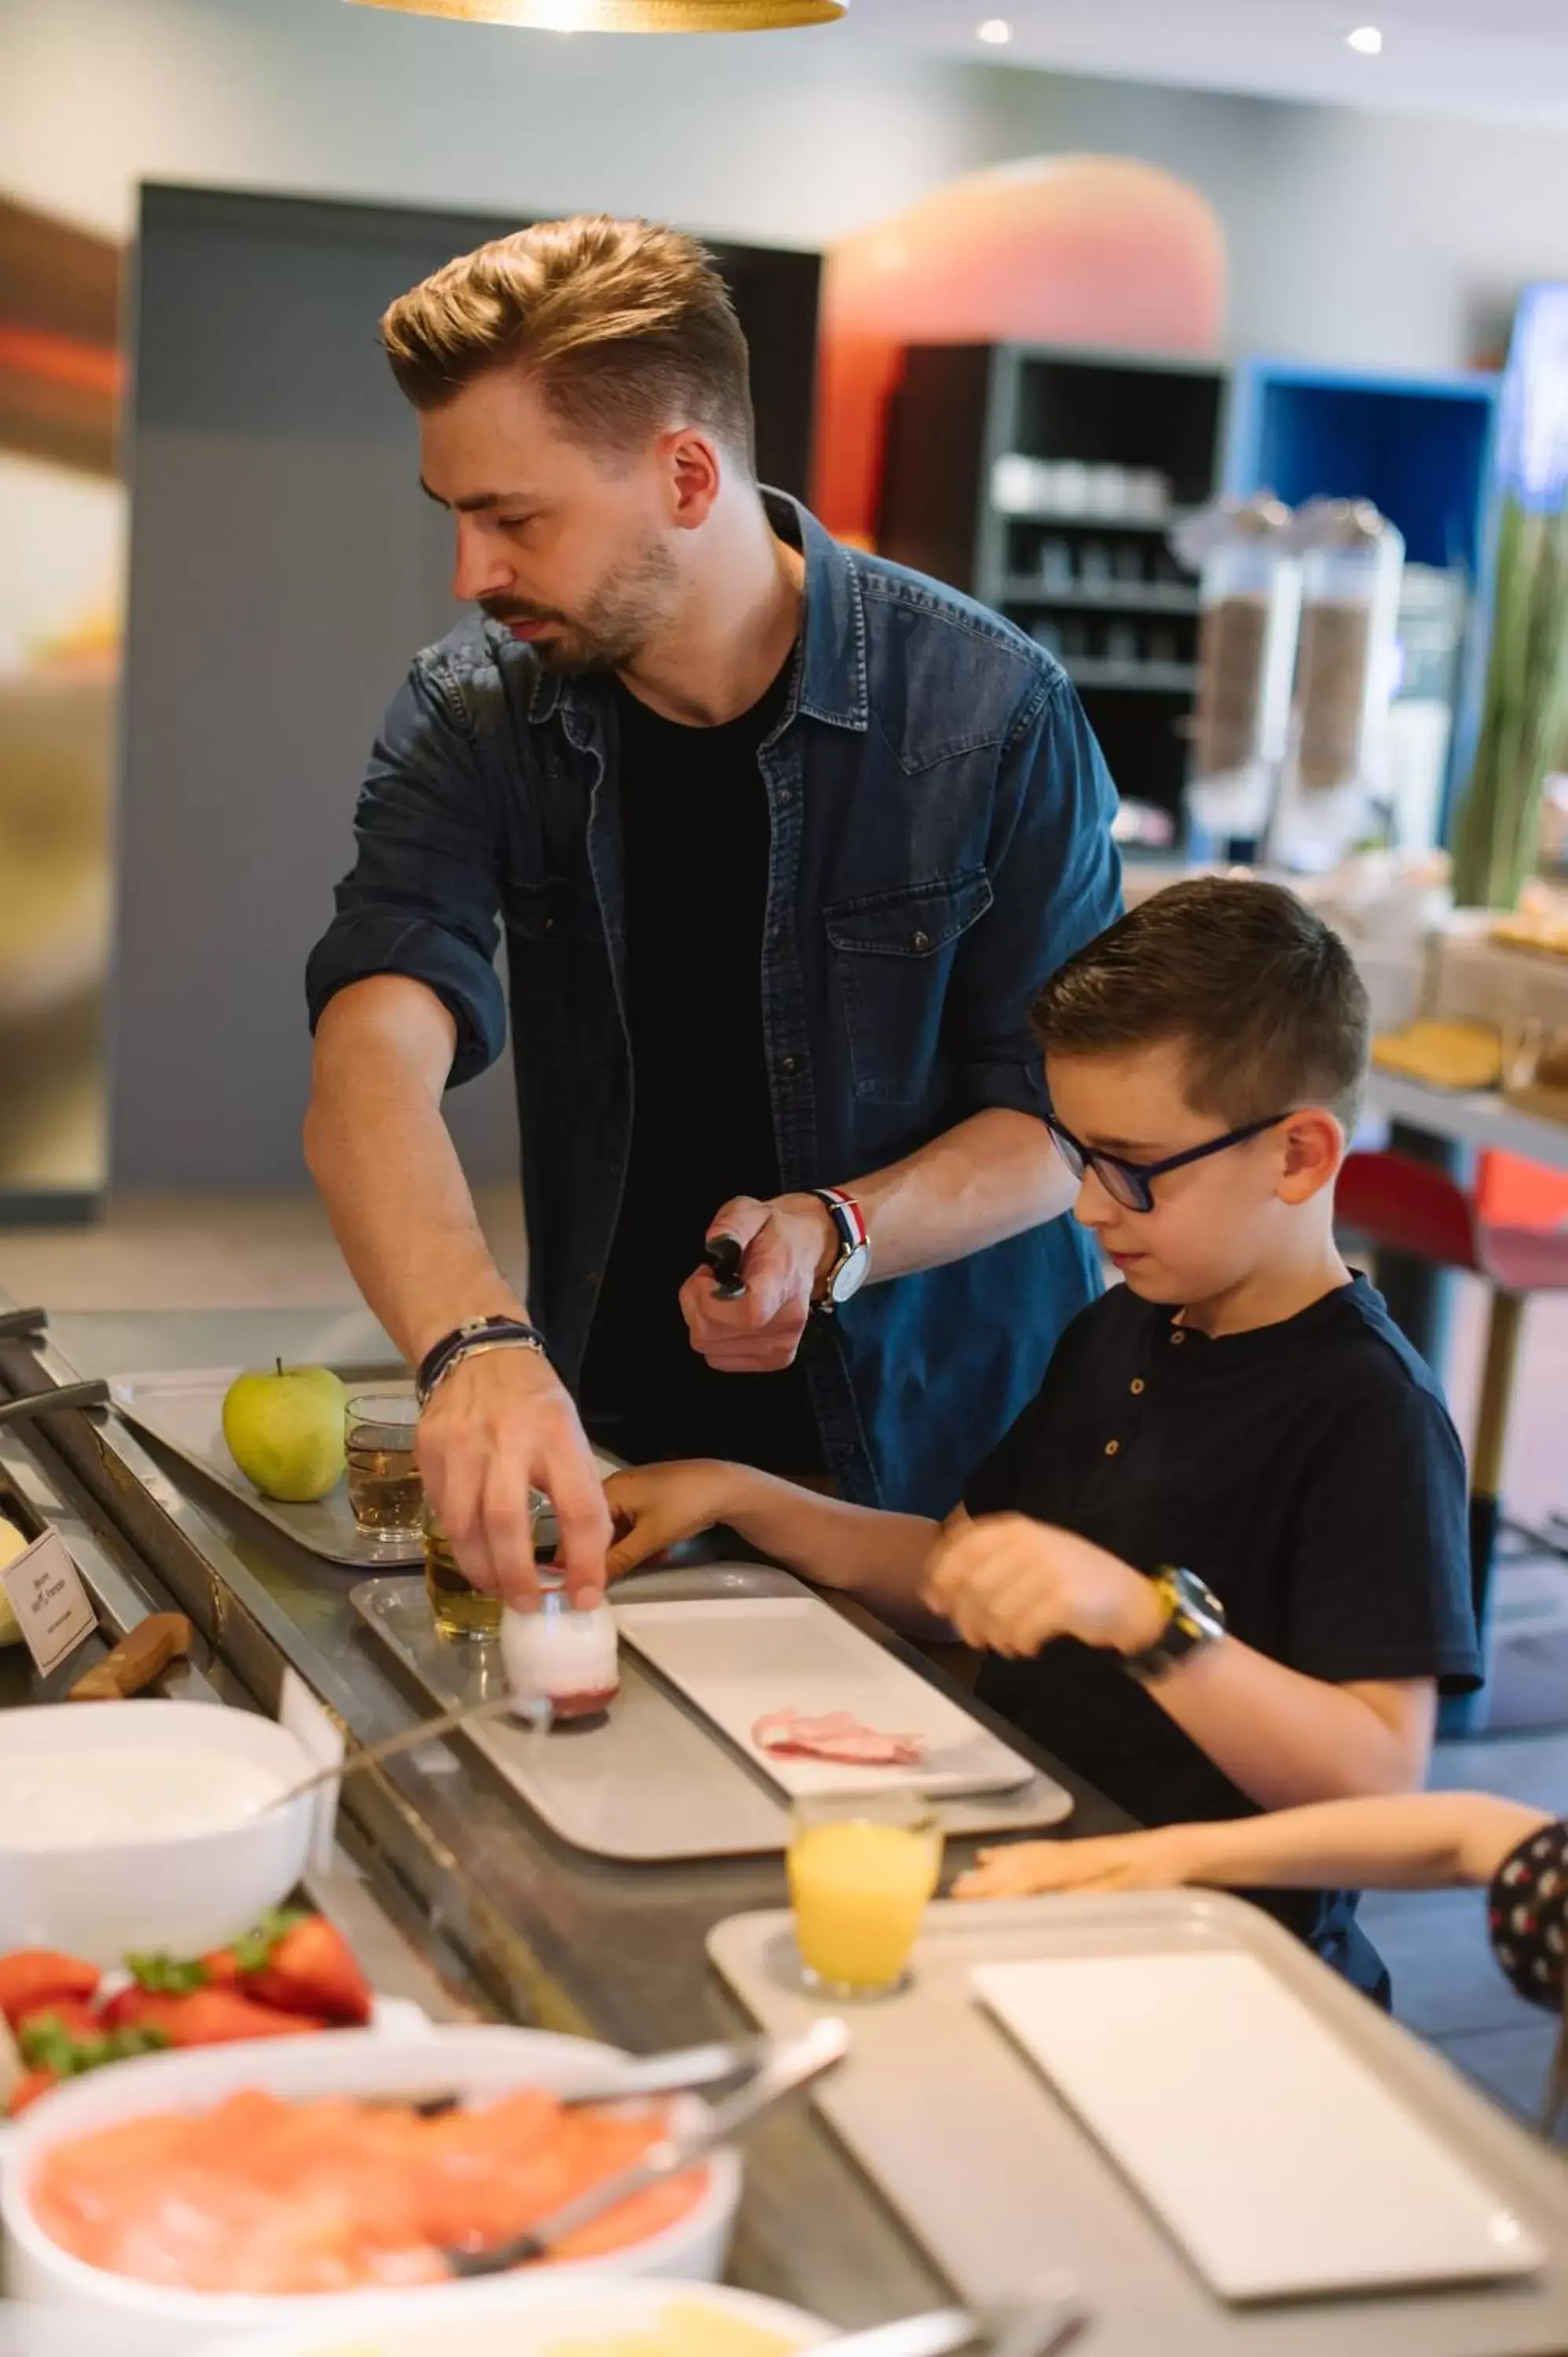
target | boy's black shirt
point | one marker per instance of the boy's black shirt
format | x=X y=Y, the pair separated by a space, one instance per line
x=1306 y=1471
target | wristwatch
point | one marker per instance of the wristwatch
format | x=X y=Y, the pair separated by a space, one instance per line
x=1197 y=1618
x=852 y=1266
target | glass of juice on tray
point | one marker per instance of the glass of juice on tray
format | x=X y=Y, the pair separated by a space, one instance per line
x=863 y=1867
x=384 y=1487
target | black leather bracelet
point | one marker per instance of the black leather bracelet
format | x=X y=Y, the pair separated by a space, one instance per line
x=474 y=1334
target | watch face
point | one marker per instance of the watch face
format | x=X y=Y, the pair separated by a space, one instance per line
x=850 y=1275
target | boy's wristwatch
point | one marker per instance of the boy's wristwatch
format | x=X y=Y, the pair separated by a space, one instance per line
x=1196 y=1618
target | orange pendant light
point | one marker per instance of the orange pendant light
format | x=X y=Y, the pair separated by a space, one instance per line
x=627 y=16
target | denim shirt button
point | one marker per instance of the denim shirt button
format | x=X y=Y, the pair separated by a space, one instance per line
x=919 y=941
x=790 y=1065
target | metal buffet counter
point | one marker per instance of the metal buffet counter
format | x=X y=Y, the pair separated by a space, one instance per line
x=454 y=1893
x=457 y=1894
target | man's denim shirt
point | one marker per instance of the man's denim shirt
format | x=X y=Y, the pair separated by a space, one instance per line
x=941 y=841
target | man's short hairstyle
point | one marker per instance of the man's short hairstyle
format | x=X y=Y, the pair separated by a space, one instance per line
x=627 y=329
x=1263 y=997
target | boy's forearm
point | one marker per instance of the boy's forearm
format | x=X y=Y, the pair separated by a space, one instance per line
x=1414 y=1841
x=1286 y=1738
x=876 y=1556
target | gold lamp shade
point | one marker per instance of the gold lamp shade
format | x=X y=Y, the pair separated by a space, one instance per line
x=627 y=16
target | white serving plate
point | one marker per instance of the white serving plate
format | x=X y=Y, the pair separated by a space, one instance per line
x=478 y=2063
x=183 y=1894
x=737 y=1659
x=1278 y=2159
x=528 y=2317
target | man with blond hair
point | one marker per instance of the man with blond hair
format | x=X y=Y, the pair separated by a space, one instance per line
x=784 y=839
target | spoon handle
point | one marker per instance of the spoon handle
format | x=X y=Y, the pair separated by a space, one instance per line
x=429 y=1730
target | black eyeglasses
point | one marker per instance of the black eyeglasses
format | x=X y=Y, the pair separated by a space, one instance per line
x=1131 y=1184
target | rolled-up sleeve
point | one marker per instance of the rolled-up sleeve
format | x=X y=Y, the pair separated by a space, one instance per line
x=422 y=895
x=1055 y=875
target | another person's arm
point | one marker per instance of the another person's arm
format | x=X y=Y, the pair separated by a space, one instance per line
x=406 y=1001
x=1416 y=1841
x=1055 y=875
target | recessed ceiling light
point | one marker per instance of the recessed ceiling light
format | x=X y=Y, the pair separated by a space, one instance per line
x=995 y=30
x=1367 y=40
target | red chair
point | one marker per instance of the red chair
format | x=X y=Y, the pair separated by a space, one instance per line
x=1401 y=1206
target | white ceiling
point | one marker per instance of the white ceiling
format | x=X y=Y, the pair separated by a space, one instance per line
x=1497 y=58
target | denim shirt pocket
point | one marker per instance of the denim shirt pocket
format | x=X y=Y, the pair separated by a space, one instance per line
x=892 y=959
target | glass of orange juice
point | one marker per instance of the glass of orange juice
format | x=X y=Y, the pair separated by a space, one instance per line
x=862 y=1868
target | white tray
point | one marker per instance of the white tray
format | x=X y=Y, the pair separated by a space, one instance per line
x=651 y=1781
x=739 y=1658
x=185 y=1410
x=1002 y=2183
x=1277 y=2158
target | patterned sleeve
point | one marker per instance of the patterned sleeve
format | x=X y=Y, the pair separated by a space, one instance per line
x=1527 y=1911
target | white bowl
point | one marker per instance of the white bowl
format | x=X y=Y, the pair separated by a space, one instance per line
x=529 y=2317
x=182 y=1894
x=478 y=2063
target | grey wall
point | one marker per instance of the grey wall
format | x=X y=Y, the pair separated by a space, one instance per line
x=1358 y=238
x=282 y=572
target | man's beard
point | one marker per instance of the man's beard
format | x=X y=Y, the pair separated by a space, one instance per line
x=629 y=604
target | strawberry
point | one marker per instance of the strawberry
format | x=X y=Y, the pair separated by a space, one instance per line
x=204 y=2017
x=30 y=1978
x=307 y=1968
x=67 y=2014
x=29 y=2088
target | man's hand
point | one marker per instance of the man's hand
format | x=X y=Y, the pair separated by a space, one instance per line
x=1145 y=1861
x=788 y=1247
x=1009 y=1585
x=502 y=1424
x=654 y=1506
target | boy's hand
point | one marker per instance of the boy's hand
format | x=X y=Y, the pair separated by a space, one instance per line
x=656 y=1506
x=1009 y=1585
x=1145 y=1861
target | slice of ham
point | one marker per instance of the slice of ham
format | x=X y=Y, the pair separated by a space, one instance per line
x=791 y=1734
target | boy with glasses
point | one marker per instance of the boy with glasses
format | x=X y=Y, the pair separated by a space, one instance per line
x=1219 y=1564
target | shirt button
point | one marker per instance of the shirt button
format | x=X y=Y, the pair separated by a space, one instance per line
x=919 y=941
x=790 y=1066
x=1114 y=1448
x=1137 y=1386
x=1178 y=1334
x=786 y=796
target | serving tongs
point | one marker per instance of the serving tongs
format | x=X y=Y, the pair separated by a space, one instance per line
x=55 y=1401
x=777 y=2070
x=1045 y=2328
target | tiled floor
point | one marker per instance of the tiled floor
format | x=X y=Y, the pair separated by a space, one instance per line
x=241 y=1252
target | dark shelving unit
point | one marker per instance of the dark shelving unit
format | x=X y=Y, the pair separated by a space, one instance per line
x=1100 y=587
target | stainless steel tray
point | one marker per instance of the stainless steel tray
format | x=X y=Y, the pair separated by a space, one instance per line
x=1000 y=2184
x=654 y=1781
x=184 y=1410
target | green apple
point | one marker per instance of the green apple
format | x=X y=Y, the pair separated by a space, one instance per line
x=285 y=1430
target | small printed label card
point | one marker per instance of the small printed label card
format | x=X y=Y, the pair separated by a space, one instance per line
x=52 y=1607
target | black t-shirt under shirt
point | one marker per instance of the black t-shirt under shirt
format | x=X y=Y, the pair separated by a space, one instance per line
x=697 y=838
x=1306 y=1471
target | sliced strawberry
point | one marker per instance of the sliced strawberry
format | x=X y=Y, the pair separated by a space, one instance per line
x=29 y=1977
x=313 y=1970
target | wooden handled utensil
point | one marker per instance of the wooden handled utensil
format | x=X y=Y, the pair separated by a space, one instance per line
x=142 y=1654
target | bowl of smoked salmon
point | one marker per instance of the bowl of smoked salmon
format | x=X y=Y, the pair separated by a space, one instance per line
x=303 y=2182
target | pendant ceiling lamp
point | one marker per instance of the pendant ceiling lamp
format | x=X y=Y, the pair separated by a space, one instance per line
x=627 y=16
